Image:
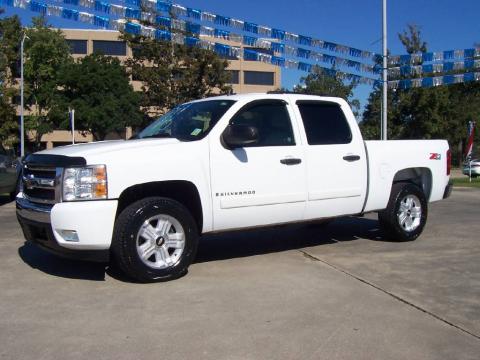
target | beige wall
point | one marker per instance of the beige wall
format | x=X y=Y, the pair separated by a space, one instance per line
x=58 y=137
x=241 y=65
x=62 y=137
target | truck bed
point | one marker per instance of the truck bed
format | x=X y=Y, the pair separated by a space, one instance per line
x=427 y=159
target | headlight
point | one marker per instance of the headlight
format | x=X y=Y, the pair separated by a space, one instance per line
x=85 y=183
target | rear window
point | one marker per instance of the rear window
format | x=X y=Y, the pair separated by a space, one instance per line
x=324 y=122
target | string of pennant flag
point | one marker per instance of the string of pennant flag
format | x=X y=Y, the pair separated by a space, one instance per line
x=248 y=27
x=418 y=70
x=195 y=15
x=420 y=58
x=159 y=34
x=279 y=43
x=434 y=81
x=175 y=24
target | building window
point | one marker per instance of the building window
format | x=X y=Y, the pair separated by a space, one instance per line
x=258 y=78
x=115 y=48
x=77 y=46
x=234 y=76
x=16 y=70
x=16 y=100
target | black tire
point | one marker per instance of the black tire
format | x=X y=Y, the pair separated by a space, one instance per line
x=389 y=218
x=127 y=227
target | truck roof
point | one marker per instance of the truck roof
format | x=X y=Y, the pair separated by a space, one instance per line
x=284 y=96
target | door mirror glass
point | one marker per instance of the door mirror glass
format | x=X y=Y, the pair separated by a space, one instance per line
x=239 y=135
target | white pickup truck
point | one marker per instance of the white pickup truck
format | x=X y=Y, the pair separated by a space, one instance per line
x=220 y=164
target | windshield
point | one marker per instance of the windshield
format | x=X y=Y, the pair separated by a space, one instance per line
x=189 y=122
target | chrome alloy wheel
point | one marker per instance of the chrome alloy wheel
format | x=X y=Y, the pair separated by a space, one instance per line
x=409 y=213
x=160 y=242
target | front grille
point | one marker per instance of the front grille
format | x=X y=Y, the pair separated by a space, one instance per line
x=40 y=183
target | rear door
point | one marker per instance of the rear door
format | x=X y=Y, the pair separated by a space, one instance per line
x=335 y=157
x=264 y=183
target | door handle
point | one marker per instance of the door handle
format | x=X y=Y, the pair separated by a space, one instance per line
x=351 y=158
x=290 y=161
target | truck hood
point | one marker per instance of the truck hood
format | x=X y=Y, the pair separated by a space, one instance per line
x=106 y=147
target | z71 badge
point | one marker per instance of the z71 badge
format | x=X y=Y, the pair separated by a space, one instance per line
x=435 y=156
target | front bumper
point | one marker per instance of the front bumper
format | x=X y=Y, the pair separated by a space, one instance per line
x=93 y=222
x=41 y=234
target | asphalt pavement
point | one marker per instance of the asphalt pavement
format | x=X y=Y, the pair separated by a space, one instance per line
x=292 y=292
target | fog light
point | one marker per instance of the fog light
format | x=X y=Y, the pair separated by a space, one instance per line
x=69 y=235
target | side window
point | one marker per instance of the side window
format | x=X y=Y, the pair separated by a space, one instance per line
x=271 y=120
x=325 y=123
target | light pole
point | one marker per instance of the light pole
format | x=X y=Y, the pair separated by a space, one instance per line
x=383 y=131
x=71 y=113
x=22 y=123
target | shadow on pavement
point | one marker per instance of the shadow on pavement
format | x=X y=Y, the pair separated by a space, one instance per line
x=219 y=246
x=284 y=238
x=5 y=199
x=53 y=265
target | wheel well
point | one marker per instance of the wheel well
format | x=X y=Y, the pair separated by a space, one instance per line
x=182 y=191
x=422 y=177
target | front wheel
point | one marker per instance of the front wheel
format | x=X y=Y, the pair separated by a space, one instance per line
x=406 y=213
x=155 y=239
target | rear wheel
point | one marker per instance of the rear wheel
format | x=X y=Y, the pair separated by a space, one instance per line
x=155 y=239
x=406 y=213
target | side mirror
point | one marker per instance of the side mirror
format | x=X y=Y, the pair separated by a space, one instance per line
x=236 y=136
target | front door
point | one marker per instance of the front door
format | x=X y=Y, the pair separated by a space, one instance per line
x=263 y=183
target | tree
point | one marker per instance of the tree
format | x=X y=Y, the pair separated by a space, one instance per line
x=172 y=74
x=319 y=83
x=424 y=113
x=98 y=88
x=411 y=39
x=8 y=121
x=464 y=101
x=46 y=52
x=10 y=34
x=370 y=124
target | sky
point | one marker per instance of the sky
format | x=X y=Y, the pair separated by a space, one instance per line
x=444 y=24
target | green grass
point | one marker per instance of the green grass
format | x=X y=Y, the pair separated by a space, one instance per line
x=465 y=181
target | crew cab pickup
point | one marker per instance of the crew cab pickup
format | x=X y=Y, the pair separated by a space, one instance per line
x=219 y=164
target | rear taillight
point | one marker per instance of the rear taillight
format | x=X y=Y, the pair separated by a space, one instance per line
x=449 y=161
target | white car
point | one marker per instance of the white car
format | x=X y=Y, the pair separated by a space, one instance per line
x=475 y=168
x=221 y=164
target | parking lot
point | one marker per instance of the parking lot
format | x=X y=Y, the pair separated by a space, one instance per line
x=293 y=292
